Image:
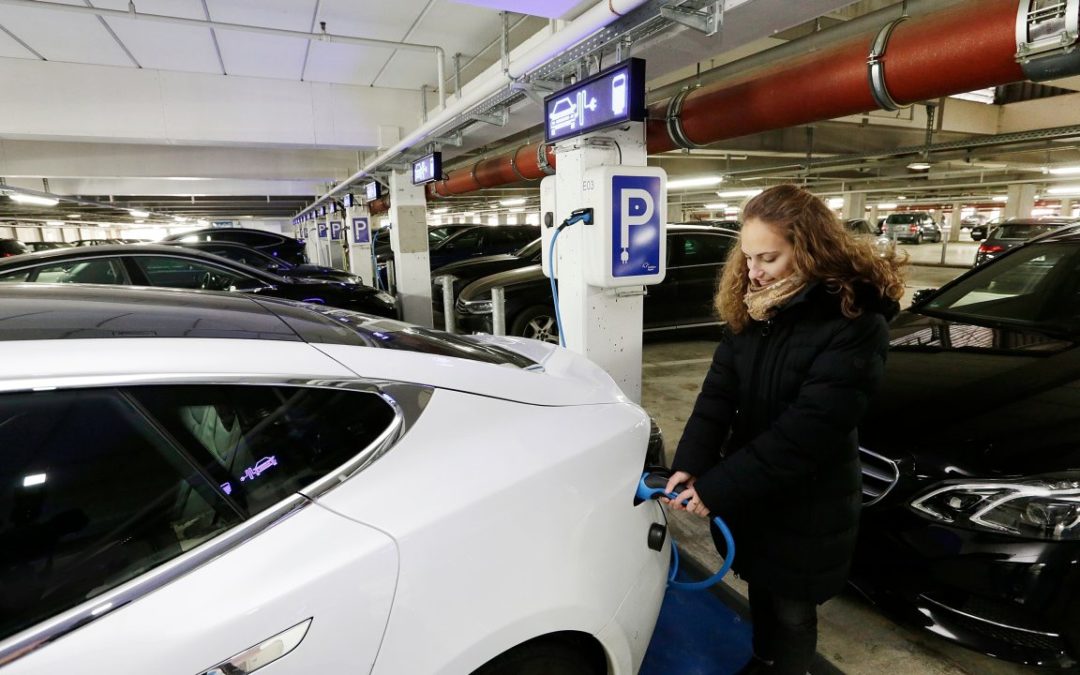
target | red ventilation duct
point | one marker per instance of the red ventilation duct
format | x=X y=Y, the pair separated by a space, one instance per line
x=966 y=47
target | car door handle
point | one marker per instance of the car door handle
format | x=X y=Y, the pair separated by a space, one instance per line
x=264 y=653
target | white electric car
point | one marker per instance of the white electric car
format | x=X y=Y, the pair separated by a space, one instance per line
x=199 y=483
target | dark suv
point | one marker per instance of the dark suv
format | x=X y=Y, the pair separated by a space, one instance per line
x=277 y=245
x=10 y=247
x=912 y=227
x=1016 y=231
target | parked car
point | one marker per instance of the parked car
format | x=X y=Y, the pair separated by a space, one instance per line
x=912 y=227
x=971 y=518
x=178 y=267
x=696 y=255
x=268 y=263
x=36 y=246
x=278 y=245
x=480 y=241
x=469 y=270
x=1015 y=231
x=97 y=242
x=971 y=221
x=979 y=231
x=859 y=227
x=10 y=247
x=218 y=468
x=384 y=253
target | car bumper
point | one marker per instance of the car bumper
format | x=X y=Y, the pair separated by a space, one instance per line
x=473 y=323
x=1010 y=598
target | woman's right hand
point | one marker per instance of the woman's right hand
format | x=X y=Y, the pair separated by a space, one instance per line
x=678 y=478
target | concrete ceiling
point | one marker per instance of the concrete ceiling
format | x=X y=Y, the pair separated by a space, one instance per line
x=184 y=120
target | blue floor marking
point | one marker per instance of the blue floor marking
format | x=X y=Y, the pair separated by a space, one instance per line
x=697 y=634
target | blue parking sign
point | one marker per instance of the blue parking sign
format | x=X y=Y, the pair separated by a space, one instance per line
x=335 y=230
x=322 y=230
x=636 y=231
x=361 y=231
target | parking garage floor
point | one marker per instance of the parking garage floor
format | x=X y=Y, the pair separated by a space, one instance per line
x=853 y=635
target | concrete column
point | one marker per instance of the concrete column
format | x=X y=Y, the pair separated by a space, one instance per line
x=954 y=222
x=322 y=234
x=360 y=261
x=1021 y=201
x=854 y=205
x=604 y=326
x=1066 y=207
x=409 y=240
x=873 y=216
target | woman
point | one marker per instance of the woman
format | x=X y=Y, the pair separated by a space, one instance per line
x=806 y=306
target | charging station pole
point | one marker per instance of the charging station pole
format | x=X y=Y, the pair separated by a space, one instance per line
x=360 y=262
x=409 y=240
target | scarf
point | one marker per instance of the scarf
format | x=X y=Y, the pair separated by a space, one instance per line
x=763 y=303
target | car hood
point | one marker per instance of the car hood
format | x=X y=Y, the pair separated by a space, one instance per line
x=965 y=399
x=520 y=275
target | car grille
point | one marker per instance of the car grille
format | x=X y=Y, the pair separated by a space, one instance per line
x=879 y=475
x=1002 y=622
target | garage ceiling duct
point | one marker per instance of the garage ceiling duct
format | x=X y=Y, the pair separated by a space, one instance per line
x=968 y=46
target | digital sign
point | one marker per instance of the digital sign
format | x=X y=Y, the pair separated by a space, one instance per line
x=427 y=168
x=372 y=191
x=347 y=200
x=610 y=97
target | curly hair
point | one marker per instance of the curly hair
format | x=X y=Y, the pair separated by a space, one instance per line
x=824 y=251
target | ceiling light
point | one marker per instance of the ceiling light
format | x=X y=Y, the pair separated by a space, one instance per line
x=33 y=199
x=517 y=210
x=730 y=194
x=443 y=209
x=138 y=214
x=139 y=222
x=1065 y=170
x=517 y=201
x=835 y=202
x=888 y=205
x=999 y=198
x=716 y=207
x=74 y=215
x=469 y=214
x=54 y=223
x=33 y=479
x=179 y=219
x=1066 y=190
x=700 y=181
x=919 y=166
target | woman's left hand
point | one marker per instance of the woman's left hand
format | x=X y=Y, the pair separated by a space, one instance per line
x=694 y=504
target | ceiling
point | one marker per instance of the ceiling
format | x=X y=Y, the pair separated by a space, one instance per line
x=113 y=113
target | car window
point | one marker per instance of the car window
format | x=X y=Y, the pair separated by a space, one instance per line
x=508 y=236
x=249 y=237
x=95 y=271
x=701 y=249
x=247 y=256
x=91 y=496
x=1024 y=230
x=170 y=272
x=530 y=250
x=464 y=241
x=1036 y=284
x=905 y=218
x=262 y=444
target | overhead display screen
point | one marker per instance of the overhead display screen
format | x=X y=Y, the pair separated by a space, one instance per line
x=372 y=191
x=347 y=200
x=427 y=168
x=610 y=97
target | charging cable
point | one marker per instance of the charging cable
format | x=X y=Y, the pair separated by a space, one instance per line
x=579 y=216
x=651 y=486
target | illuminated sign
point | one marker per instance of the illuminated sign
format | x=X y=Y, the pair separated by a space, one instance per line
x=347 y=200
x=372 y=191
x=613 y=96
x=427 y=168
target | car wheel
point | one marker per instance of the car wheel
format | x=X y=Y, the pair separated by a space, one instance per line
x=538 y=323
x=918 y=238
x=542 y=657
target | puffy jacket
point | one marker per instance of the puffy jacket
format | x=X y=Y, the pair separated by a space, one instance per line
x=772 y=438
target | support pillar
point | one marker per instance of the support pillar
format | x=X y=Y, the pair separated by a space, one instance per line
x=409 y=240
x=954 y=222
x=602 y=324
x=1066 y=208
x=1021 y=201
x=854 y=205
x=360 y=261
x=322 y=232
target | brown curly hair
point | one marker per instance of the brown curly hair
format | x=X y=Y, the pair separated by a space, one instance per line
x=824 y=251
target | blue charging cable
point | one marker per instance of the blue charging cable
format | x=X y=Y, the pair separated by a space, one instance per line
x=579 y=216
x=651 y=486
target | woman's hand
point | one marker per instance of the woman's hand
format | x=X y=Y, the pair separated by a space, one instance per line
x=688 y=494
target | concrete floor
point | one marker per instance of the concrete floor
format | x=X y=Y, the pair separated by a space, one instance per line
x=853 y=635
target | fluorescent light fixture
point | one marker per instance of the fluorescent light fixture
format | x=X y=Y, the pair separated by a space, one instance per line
x=1065 y=171
x=33 y=479
x=700 y=181
x=718 y=206
x=33 y=199
x=74 y=216
x=469 y=214
x=835 y=202
x=734 y=194
x=441 y=210
x=179 y=219
x=902 y=197
x=139 y=222
x=54 y=223
x=999 y=198
x=887 y=205
x=1065 y=190
x=517 y=210
x=919 y=166
x=138 y=214
x=517 y=201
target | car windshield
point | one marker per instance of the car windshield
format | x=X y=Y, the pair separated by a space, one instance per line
x=528 y=250
x=1036 y=286
x=903 y=218
x=439 y=234
x=1024 y=230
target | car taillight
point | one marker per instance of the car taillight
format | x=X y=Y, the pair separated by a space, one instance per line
x=914 y=228
x=991 y=249
x=6 y=255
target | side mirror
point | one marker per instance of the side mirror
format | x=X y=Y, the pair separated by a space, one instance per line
x=922 y=296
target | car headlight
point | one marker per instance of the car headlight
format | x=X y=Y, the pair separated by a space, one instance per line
x=1046 y=507
x=475 y=307
x=386 y=297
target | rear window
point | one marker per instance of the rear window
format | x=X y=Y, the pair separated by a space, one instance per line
x=1024 y=230
x=902 y=218
x=12 y=247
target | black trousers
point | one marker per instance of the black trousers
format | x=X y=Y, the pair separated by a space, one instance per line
x=785 y=631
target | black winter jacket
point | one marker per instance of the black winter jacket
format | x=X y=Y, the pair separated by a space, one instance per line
x=790 y=392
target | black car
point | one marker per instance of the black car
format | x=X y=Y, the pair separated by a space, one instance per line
x=696 y=255
x=10 y=247
x=859 y=227
x=971 y=518
x=464 y=272
x=253 y=257
x=178 y=267
x=1016 y=231
x=277 y=245
x=980 y=230
x=384 y=252
x=481 y=240
x=36 y=246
